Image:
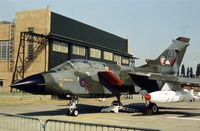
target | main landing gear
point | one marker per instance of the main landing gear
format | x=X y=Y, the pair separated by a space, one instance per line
x=115 y=106
x=73 y=109
x=151 y=108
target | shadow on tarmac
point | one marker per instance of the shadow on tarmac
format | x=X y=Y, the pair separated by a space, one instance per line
x=82 y=108
x=183 y=111
x=140 y=107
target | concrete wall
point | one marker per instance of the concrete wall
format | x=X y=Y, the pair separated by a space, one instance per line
x=4 y=31
x=5 y=73
x=6 y=77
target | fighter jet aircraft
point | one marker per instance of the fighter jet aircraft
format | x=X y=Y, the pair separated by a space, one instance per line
x=90 y=79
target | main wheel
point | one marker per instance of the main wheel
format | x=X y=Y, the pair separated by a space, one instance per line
x=152 y=108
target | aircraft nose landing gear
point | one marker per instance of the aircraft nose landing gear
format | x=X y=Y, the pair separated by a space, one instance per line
x=73 y=109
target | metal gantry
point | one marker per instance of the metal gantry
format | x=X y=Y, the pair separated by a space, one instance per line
x=23 y=62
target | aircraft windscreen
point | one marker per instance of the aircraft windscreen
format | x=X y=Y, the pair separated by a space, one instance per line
x=98 y=65
x=64 y=66
x=81 y=64
x=84 y=64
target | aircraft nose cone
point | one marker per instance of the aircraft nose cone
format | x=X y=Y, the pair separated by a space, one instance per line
x=33 y=84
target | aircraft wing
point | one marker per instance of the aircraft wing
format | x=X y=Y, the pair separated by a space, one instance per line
x=167 y=78
x=171 y=78
x=139 y=73
x=110 y=77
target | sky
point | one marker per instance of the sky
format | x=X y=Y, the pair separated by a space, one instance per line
x=149 y=25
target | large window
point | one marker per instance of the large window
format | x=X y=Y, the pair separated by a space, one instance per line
x=95 y=53
x=78 y=50
x=60 y=47
x=125 y=61
x=108 y=55
x=5 y=50
x=118 y=59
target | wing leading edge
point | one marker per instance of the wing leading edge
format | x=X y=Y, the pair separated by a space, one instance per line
x=167 y=78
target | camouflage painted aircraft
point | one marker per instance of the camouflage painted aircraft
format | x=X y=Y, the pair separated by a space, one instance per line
x=156 y=80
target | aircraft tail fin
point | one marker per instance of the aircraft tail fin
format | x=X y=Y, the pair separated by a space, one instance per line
x=172 y=56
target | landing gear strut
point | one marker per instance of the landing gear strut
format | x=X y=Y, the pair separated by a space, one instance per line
x=117 y=102
x=151 y=108
x=73 y=109
x=115 y=106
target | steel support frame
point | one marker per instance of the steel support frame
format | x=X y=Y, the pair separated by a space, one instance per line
x=39 y=39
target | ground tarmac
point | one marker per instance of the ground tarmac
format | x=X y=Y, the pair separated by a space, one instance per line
x=182 y=116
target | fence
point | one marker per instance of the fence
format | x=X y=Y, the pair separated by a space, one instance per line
x=10 y=122
x=22 y=123
x=57 y=125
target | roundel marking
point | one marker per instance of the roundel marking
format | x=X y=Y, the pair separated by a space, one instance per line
x=83 y=83
x=162 y=60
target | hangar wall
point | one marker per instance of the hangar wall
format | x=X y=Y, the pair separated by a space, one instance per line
x=91 y=40
x=76 y=30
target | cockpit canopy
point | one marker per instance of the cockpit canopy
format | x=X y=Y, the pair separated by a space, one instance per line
x=79 y=64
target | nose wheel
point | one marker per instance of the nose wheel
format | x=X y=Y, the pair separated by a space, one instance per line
x=73 y=109
x=72 y=112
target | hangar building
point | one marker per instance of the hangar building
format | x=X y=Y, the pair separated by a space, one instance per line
x=39 y=40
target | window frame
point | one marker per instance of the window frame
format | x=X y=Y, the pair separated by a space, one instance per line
x=108 y=55
x=95 y=53
x=78 y=50
x=6 y=53
x=117 y=58
x=125 y=59
x=59 y=46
